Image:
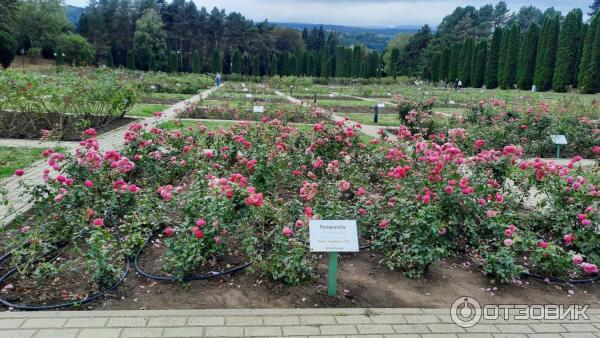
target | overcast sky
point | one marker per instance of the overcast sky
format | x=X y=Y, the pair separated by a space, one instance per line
x=361 y=12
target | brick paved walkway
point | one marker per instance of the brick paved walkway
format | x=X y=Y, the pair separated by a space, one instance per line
x=280 y=322
x=17 y=196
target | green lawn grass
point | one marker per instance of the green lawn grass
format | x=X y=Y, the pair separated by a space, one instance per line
x=211 y=125
x=166 y=96
x=13 y=158
x=384 y=119
x=146 y=109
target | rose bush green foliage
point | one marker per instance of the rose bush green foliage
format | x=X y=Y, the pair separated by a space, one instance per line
x=88 y=98
x=251 y=191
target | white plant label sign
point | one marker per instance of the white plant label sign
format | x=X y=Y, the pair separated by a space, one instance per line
x=259 y=109
x=559 y=139
x=381 y=105
x=333 y=236
x=248 y=96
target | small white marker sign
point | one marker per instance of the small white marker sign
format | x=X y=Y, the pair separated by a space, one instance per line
x=259 y=109
x=331 y=95
x=248 y=96
x=559 y=139
x=245 y=89
x=381 y=105
x=333 y=236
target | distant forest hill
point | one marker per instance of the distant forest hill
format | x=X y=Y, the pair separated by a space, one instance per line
x=374 y=38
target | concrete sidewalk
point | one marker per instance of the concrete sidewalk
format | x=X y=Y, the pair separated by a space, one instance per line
x=280 y=322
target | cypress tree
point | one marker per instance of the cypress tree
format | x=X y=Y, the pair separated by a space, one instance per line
x=340 y=58
x=60 y=59
x=236 y=60
x=546 y=60
x=394 y=61
x=567 y=54
x=466 y=53
x=527 y=58
x=356 y=61
x=196 y=67
x=273 y=65
x=256 y=65
x=326 y=63
x=304 y=63
x=216 y=61
x=444 y=64
x=426 y=73
x=109 y=59
x=586 y=54
x=310 y=66
x=453 y=67
x=173 y=63
x=591 y=79
x=130 y=59
x=503 y=54
x=152 y=63
x=435 y=67
x=291 y=67
x=480 y=64
x=491 y=68
x=509 y=75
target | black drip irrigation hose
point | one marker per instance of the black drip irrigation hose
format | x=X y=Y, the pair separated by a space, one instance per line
x=560 y=280
x=87 y=299
x=188 y=278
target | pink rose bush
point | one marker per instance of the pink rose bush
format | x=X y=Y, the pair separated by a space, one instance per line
x=254 y=189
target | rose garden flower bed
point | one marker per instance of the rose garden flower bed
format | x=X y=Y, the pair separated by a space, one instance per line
x=248 y=193
x=62 y=107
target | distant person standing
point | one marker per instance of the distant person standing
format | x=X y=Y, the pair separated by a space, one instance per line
x=456 y=84
x=459 y=84
x=218 y=79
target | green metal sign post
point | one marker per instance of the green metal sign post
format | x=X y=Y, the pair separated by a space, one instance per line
x=332 y=274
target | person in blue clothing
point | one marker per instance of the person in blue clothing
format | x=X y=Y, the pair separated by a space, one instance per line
x=218 y=79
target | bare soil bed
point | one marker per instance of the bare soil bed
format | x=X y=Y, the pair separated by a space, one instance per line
x=361 y=283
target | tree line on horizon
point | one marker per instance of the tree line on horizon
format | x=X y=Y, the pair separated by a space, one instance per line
x=561 y=54
x=488 y=46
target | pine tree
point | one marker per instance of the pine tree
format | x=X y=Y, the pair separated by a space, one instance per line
x=591 y=80
x=546 y=60
x=527 y=58
x=509 y=74
x=435 y=67
x=109 y=59
x=491 y=68
x=256 y=65
x=480 y=64
x=567 y=54
x=130 y=59
x=196 y=65
x=217 y=67
x=444 y=64
x=173 y=64
x=594 y=8
x=586 y=54
x=454 y=60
